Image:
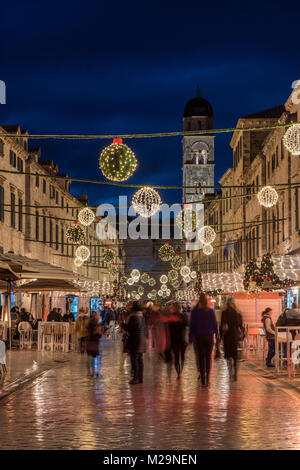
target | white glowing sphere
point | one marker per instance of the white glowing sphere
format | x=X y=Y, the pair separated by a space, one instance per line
x=185 y=271
x=130 y=281
x=82 y=252
x=86 y=216
x=267 y=196
x=193 y=274
x=163 y=287
x=207 y=249
x=206 y=234
x=163 y=279
x=146 y=202
x=78 y=262
x=291 y=139
x=135 y=274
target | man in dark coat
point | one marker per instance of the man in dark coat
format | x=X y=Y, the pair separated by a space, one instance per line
x=54 y=315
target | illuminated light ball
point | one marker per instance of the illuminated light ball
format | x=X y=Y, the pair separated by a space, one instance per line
x=113 y=270
x=291 y=139
x=177 y=262
x=173 y=275
x=168 y=292
x=267 y=196
x=135 y=274
x=108 y=255
x=163 y=279
x=117 y=162
x=165 y=294
x=86 y=216
x=193 y=274
x=149 y=295
x=130 y=281
x=145 y=278
x=207 y=249
x=78 y=262
x=160 y=292
x=163 y=287
x=152 y=282
x=123 y=280
x=187 y=220
x=166 y=252
x=83 y=252
x=146 y=202
x=133 y=294
x=75 y=233
x=153 y=292
x=185 y=271
x=176 y=284
x=141 y=290
x=187 y=279
x=206 y=234
x=137 y=297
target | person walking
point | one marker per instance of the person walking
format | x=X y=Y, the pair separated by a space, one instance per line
x=92 y=346
x=203 y=327
x=231 y=331
x=178 y=323
x=136 y=344
x=270 y=335
x=81 y=329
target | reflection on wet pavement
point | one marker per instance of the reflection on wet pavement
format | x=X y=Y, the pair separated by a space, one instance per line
x=67 y=409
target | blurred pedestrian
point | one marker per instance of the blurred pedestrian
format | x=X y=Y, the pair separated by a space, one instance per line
x=81 y=329
x=203 y=327
x=270 y=335
x=137 y=343
x=54 y=315
x=68 y=316
x=231 y=331
x=92 y=346
x=178 y=323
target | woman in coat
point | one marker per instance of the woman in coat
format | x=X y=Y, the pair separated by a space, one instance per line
x=178 y=323
x=203 y=327
x=231 y=331
x=137 y=343
x=92 y=346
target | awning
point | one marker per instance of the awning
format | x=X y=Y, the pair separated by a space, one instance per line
x=46 y=285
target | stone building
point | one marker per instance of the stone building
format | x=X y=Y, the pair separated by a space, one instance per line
x=246 y=229
x=36 y=209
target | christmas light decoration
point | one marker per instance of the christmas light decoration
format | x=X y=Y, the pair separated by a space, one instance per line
x=163 y=287
x=160 y=292
x=206 y=234
x=133 y=294
x=75 y=233
x=187 y=279
x=113 y=270
x=168 y=292
x=185 y=271
x=86 y=216
x=267 y=196
x=146 y=202
x=141 y=290
x=137 y=297
x=130 y=281
x=175 y=284
x=117 y=162
x=177 y=262
x=187 y=220
x=123 y=280
x=108 y=255
x=207 y=249
x=163 y=279
x=145 y=278
x=173 y=275
x=193 y=274
x=78 y=262
x=135 y=274
x=166 y=252
x=152 y=282
x=83 y=252
x=291 y=139
x=153 y=292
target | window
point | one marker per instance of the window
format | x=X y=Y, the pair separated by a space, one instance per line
x=51 y=233
x=12 y=158
x=13 y=210
x=20 y=164
x=276 y=156
x=1 y=203
x=20 y=214
x=56 y=197
x=268 y=169
x=282 y=150
x=44 y=229
x=62 y=241
x=62 y=202
x=37 y=181
x=67 y=208
x=44 y=186
x=1 y=148
x=37 y=225
x=56 y=237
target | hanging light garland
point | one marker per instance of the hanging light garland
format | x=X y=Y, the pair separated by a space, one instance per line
x=146 y=202
x=291 y=139
x=172 y=275
x=163 y=279
x=78 y=262
x=83 y=252
x=166 y=252
x=86 y=216
x=108 y=255
x=206 y=234
x=187 y=220
x=75 y=233
x=117 y=161
x=267 y=196
x=207 y=249
x=177 y=262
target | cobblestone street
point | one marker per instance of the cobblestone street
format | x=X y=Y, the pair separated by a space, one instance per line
x=66 y=409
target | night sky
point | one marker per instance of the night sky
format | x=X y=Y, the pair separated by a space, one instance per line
x=130 y=67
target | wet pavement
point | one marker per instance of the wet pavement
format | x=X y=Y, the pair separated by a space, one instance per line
x=67 y=409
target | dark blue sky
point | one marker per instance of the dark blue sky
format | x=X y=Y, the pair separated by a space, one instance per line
x=130 y=67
